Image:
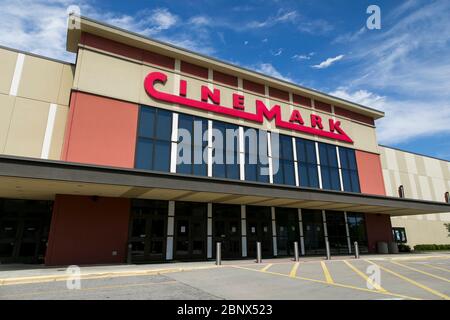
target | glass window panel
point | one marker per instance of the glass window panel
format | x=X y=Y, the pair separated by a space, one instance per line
x=162 y=156
x=144 y=154
x=343 y=157
x=323 y=154
x=289 y=174
x=335 y=181
x=278 y=176
x=303 y=175
x=313 y=176
x=163 y=124
x=352 y=159
x=250 y=172
x=346 y=179
x=355 y=181
x=146 y=122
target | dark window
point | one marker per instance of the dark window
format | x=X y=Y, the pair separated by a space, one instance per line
x=357 y=230
x=226 y=154
x=256 y=162
x=153 y=141
x=399 y=235
x=329 y=167
x=401 y=192
x=196 y=146
x=447 y=197
x=337 y=234
x=307 y=163
x=314 y=236
x=285 y=159
x=349 y=169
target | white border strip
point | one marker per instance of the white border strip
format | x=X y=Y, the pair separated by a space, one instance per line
x=49 y=131
x=17 y=74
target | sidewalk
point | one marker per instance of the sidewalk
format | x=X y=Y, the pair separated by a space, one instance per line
x=24 y=274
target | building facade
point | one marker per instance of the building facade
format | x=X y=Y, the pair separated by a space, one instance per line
x=420 y=177
x=116 y=158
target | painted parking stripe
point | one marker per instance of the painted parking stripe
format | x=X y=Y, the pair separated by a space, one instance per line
x=420 y=271
x=340 y=285
x=294 y=269
x=413 y=282
x=364 y=276
x=436 y=267
x=267 y=267
x=326 y=273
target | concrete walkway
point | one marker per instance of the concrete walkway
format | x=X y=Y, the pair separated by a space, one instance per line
x=11 y=274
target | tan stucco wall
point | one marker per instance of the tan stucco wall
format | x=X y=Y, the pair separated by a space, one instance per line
x=24 y=116
x=422 y=178
x=123 y=78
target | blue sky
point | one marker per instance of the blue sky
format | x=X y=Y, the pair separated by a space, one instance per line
x=402 y=69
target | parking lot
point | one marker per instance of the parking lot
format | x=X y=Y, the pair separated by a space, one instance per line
x=408 y=277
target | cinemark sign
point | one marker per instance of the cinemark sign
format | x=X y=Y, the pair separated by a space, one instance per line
x=295 y=121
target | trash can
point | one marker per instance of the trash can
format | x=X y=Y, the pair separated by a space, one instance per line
x=382 y=247
x=393 y=247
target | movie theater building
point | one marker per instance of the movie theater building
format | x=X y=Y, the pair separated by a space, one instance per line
x=89 y=169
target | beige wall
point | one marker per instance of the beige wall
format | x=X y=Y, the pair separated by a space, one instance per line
x=123 y=78
x=423 y=178
x=34 y=99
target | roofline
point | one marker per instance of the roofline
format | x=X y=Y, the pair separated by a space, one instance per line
x=28 y=53
x=73 y=37
x=412 y=152
x=33 y=168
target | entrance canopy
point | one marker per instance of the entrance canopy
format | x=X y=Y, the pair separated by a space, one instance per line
x=25 y=178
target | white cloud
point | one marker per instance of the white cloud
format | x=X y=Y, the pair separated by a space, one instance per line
x=200 y=20
x=270 y=70
x=351 y=36
x=328 y=62
x=40 y=26
x=278 y=52
x=404 y=119
x=300 y=57
x=281 y=17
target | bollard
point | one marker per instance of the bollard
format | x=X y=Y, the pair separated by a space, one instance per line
x=130 y=247
x=327 y=247
x=296 y=257
x=258 y=252
x=356 y=250
x=218 y=253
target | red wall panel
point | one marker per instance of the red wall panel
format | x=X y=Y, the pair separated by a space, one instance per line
x=100 y=131
x=379 y=228
x=370 y=173
x=86 y=230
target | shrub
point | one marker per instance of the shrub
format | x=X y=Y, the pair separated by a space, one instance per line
x=431 y=247
x=404 y=248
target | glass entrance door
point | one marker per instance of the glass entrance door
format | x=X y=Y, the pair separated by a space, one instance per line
x=337 y=232
x=227 y=230
x=313 y=231
x=287 y=230
x=190 y=230
x=259 y=229
x=148 y=230
x=24 y=229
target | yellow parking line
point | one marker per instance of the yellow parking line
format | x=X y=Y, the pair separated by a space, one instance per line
x=326 y=272
x=436 y=267
x=294 y=269
x=267 y=267
x=362 y=275
x=432 y=291
x=420 y=271
x=333 y=284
